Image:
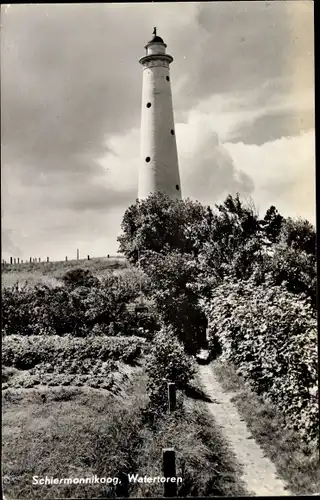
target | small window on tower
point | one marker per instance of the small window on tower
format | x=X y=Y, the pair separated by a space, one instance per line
x=177 y=187
x=168 y=79
x=148 y=159
x=172 y=132
x=149 y=105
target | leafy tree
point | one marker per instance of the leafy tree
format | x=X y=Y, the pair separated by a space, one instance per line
x=185 y=249
x=293 y=268
x=172 y=278
x=237 y=218
x=234 y=245
x=299 y=234
x=272 y=224
x=163 y=225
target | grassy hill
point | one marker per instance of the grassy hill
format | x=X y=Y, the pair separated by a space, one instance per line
x=51 y=272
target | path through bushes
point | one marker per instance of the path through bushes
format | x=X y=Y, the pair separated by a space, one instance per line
x=259 y=474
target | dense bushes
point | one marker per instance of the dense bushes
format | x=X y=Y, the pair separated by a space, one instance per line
x=82 y=305
x=270 y=335
x=261 y=276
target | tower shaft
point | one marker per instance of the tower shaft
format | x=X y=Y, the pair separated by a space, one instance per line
x=159 y=169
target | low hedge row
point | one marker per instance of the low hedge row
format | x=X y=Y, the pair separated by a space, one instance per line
x=68 y=354
x=28 y=380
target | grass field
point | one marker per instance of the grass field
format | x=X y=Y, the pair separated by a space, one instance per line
x=51 y=272
x=73 y=432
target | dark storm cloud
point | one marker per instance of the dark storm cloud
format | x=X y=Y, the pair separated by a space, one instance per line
x=64 y=87
x=243 y=46
x=98 y=198
x=272 y=126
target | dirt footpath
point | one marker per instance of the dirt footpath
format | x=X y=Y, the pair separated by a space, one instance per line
x=259 y=473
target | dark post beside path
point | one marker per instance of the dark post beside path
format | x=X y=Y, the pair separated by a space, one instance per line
x=47 y=259
x=66 y=259
x=169 y=471
x=10 y=260
x=88 y=257
x=172 y=400
x=122 y=489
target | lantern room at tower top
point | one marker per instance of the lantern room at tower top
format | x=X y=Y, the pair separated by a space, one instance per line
x=156 y=46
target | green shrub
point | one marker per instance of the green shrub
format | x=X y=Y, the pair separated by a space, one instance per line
x=79 y=277
x=167 y=362
x=16 y=313
x=41 y=310
x=270 y=335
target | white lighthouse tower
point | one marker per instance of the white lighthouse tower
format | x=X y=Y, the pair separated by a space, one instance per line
x=159 y=170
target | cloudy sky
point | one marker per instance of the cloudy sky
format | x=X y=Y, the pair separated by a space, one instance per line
x=243 y=91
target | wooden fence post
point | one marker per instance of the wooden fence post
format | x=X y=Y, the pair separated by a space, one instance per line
x=172 y=400
x=77 y=253
x=10 y=260
x=14 y=261
x=123 y=488
x=18 y=260
x=30 y=259
x=88 y=257
x=66 y=259
x=169 y=472
x=47 y=259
